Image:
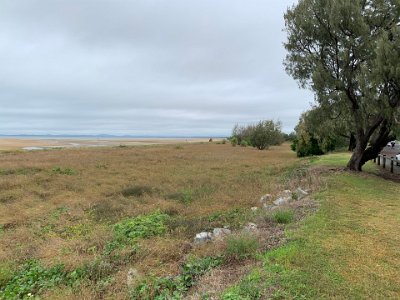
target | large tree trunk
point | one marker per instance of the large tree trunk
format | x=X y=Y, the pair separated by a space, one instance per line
x=352 y=142
x=364 y=152
x=356 y=161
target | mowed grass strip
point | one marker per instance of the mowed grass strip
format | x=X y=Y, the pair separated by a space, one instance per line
x=348 y=250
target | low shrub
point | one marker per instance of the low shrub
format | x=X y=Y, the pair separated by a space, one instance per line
x=241 y=247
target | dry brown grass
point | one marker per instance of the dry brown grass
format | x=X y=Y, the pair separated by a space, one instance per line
x=56 y=217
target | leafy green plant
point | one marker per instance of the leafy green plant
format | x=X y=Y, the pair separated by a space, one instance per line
x=283 y=216
x=143 y=226
x=31 y=280
x=241 y=247
x=175 y=287
x=128 y=231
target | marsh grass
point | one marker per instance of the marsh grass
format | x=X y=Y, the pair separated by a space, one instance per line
x=59 y=217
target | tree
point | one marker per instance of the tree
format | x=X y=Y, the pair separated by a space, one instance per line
x=265 y=134
x=261 y=136
x=348 y=53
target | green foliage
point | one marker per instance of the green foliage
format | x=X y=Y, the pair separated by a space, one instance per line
x=317 y=134
x=234 y=141
x=63 y=171
x=241 y=247
x=244 y=143
x=283 y=216
x=31 y=280
x=347 y=53
x=137 y=191
x=175 y=287
x=265 y=134
x=261 y=136
x=143 y=226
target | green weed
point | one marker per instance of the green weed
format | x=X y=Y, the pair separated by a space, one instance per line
x=283 y=216
x=175 y=287
x=31 y=280
x=63 y=171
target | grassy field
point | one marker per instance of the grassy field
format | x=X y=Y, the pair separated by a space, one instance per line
x=74 y=224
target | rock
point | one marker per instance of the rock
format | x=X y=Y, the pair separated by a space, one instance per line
x=301 y=194
x=202 y=237
x=250 y=227
x=269 y=206
x=131 y=277
x=255 y=208
x=265 y=198
x=220 y=232
x=281 y=201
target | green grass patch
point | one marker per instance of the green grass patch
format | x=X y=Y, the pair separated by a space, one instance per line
x=283 y=216
x=241 y=247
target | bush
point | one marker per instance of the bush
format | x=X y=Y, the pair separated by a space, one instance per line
x=241 y=247
x=262 y=135
x=244 y=143
x=234 y=141
x=265 y=134
x=283 y=216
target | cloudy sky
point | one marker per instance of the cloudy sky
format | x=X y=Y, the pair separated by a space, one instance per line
x=148 y=67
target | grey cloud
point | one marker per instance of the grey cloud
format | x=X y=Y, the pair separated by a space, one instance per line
x=135 y=67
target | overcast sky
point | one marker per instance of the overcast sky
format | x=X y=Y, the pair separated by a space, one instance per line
x=150 y=67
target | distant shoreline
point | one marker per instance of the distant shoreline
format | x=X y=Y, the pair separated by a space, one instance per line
x=34 y=143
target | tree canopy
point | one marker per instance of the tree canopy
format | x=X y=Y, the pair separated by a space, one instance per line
x=348 y=53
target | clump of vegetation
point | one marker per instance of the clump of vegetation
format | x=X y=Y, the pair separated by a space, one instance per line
x=63 y=171
x=283 y=216
x=234 y=141
x=143 y=226
x=31 y=280
x=261 y=135
x=137 y=191
x=129 y=231
x=241 y=247
x=175 y=287
x=244 y=143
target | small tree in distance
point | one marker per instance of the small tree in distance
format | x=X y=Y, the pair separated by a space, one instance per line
x=262 y=135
